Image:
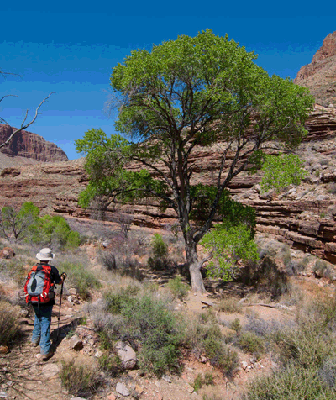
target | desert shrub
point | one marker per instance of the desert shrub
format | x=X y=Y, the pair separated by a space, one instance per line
x=322 y=269
x=78 y=379
x=82 y=279
x=251 y=343
x=201 y=380
x=9 y=327
x=159 y=251
x=14 y=269
x=178 y=288
x=236 y=325
x=110 y=362
x=146 y=321
x=230 y=305
x=290 y=383
x=109 y=260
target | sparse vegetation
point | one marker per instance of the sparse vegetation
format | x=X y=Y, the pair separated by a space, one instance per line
x=78 y=379
x=82 y=279
x=178 y=288
x=230 y=305
x=9 y=327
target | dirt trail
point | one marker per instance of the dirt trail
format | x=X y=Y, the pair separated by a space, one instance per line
x=25 y=376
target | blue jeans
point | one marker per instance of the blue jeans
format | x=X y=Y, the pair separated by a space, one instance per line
x=41 y=332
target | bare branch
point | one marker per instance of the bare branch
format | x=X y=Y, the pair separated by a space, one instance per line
x=26 y=125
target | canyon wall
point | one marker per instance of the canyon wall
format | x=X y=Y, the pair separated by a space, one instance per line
x=29 y=145
x=303 y=216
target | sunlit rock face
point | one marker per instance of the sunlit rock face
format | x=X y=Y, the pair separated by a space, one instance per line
x=30 y=145
x=320 y=75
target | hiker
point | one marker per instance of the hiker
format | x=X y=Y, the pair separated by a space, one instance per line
x=40 y=291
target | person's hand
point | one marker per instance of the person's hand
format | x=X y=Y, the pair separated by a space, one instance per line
x=63 y=276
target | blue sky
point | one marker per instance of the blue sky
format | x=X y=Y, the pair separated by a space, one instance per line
x=70 y=47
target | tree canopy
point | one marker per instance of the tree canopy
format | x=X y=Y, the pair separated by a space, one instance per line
x=185 y=94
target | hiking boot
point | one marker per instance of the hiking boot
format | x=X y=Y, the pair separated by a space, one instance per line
x=45 y=357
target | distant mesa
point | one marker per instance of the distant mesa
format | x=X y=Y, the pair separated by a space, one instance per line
x=30 y=145
x=320 y=75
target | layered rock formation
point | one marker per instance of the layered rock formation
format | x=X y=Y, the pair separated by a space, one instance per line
x=304 y=216
x=29 y=145
x=320 y=75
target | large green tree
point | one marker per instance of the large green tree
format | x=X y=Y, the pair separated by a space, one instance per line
x=183 y=94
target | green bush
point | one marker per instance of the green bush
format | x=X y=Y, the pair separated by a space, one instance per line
x=78 y=379
x=9 y=327
x=111 y=363
x=159 y=250
x=159 y=247
x=53 y=231
x=251 y=343
x=80 y=278
x=147 y=321
x=178 y=288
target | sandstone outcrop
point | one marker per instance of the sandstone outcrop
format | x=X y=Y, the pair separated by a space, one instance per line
x=29 y=145
x=320 y=75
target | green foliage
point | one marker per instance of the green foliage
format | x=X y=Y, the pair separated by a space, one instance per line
x=188 y=92
x=159 y=247
x=147 y=321
x=26 y=224
x=178 y=288
x=82 y=279
x=228 y=244
x=111 y=363
x=78 y=379
x=252 y=343
x=17 y=223
x=54 y=230
x=236 y=325
x=159 y=251
x=281 y=171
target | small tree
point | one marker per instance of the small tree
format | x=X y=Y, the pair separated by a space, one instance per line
x=181 y=96
x=17 y=223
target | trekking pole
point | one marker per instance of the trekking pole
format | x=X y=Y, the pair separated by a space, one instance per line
x=59 y=313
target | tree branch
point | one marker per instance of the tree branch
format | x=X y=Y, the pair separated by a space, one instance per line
x=25 y=125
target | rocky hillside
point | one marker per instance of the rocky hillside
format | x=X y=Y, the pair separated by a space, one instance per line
x=320 y=75
x=29 y=145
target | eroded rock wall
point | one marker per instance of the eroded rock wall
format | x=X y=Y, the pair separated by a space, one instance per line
x=30 y=145
x=303 y=216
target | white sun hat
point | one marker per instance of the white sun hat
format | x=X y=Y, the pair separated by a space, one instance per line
x=45 y=254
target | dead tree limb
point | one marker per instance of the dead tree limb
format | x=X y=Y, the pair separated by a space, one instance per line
x=25 y=124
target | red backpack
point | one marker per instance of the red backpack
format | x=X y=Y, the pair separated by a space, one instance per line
x=38 y=287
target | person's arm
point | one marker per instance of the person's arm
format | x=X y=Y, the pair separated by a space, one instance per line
x=56 y=278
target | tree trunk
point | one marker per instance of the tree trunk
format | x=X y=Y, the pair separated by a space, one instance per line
x=194 y=267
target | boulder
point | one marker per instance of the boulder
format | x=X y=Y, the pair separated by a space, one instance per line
x=127 y=355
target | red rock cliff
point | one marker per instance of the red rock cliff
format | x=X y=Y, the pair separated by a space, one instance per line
x=30 y=145
x=320 y=75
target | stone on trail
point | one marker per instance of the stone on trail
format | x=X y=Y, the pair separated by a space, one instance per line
x=76 y=343
x=126 y=354
x=50 y=370
x=122 y=389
